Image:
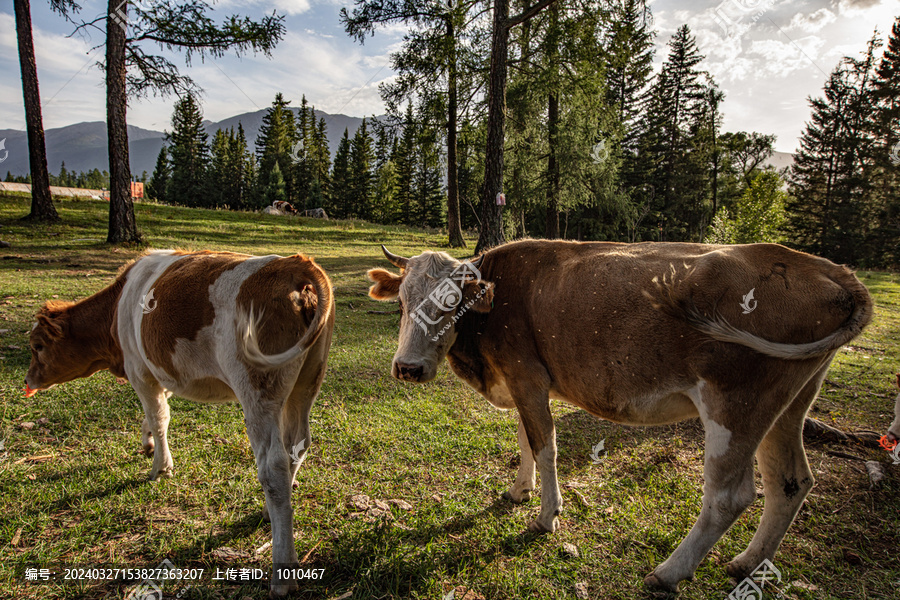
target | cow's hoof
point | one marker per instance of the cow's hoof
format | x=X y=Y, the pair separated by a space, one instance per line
x=738 y=570
x=166 y=473
x=282 y=589
x=654 y=582
x=524 y=496
x=537 y=527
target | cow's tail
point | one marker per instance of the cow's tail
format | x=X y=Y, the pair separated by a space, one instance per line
x=718 y=328
x=248 y=323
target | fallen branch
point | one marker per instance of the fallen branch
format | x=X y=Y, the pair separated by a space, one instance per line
x=844 y=455
x=815 y=430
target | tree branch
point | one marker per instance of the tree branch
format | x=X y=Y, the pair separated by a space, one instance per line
x=527 y=13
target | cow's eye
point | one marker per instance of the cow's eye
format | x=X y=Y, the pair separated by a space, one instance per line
x=38 y=348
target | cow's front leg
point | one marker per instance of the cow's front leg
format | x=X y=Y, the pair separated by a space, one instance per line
x=534 y=410
x=154 y=429
x=524 y=484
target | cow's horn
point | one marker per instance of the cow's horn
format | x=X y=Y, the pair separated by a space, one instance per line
x=397 y=261
x=476 y=262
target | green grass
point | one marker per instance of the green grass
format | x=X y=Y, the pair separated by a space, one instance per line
x=440 y=447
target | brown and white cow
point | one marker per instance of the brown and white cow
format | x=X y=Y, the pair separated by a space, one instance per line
x=642 y=334
x=211 y=327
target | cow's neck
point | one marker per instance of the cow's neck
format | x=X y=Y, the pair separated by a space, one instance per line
x=92 y=320
x=464 y=355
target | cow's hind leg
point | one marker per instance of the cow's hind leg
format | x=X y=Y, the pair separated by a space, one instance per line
x=155 y=428
x=727 y=491
x=262 y=416
x=147 y=442
x=295 y=423
x=787 y=480
x=524 y=484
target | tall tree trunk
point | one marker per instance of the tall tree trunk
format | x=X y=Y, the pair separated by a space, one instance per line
x=454 y=224
x=42 y=208
x=491 y=214
x=551 y=230
x=122 y=227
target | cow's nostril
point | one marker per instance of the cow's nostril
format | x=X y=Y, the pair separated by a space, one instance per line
x=412 y=372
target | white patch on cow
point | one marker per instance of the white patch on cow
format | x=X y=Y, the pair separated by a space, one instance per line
x=500 y=396
x=33 y=327
x=718 y=437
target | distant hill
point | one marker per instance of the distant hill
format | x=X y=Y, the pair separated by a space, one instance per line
x=83 y=146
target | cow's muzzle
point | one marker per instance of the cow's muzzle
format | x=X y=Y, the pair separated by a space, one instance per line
x=408 y=372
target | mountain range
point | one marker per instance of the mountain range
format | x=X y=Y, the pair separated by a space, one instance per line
x=83 y=146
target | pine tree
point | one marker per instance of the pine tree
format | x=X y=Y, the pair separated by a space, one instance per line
x=427 y=191
x=883 y=244
x=320 y=165
x=828 y=213
x=674 y=143
x=189 y=155
x=276 y=189
x=403 y=157
x=341 y=181
x=159 y=182
x=362 y=158
x=276 y=143
x=228 y=175
x=629 y=58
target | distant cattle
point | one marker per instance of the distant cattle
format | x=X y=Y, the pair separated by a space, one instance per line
x=211 y=327
x=315 y=213
x=642 y=334
x=280 y=208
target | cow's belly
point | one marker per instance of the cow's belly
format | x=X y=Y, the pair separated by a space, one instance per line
x=652 y=409
x=205 y=389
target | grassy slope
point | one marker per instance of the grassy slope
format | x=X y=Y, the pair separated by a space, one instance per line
x=440 y=447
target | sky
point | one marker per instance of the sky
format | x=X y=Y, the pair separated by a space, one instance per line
x=767 y=56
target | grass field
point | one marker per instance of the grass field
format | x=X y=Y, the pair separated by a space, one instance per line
x=74 y=490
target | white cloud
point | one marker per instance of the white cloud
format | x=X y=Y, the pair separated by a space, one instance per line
x=812 y=22
x=284 y=7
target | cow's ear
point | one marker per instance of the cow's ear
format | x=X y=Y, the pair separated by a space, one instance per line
x=387 y=285
x=480 y=294
x=50 y=326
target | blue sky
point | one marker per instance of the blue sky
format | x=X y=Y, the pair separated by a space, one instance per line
x=766 y=55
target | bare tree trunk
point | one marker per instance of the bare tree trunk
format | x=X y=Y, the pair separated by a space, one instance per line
x=454 y=224
x=491 y=214
x=42 y=208
x=122 y=227
x=551 y=231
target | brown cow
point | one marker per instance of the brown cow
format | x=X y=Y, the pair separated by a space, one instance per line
x=642 y=334
x=211 y=327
